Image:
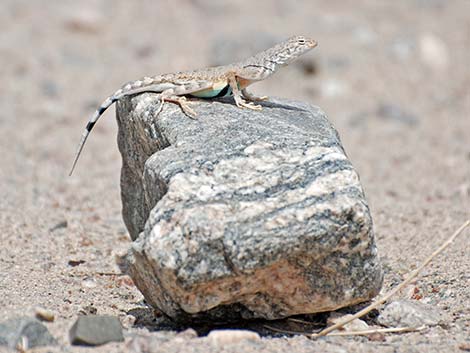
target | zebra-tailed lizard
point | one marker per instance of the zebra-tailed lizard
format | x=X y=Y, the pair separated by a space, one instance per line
x=212 y=82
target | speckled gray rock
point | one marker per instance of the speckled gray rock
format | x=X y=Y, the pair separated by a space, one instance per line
x=243 y=214
x=25 y=330
x=410 y=313
x=95 y=330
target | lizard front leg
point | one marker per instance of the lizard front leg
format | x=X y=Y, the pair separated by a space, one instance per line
x=237 y=94
x=252 y=97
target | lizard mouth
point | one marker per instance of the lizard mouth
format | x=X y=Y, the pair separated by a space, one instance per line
x=312 y=44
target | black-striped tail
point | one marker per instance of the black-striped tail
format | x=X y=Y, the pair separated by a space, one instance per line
x=91 y=123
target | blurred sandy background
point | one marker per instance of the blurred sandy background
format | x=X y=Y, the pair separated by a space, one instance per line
x=393 y=77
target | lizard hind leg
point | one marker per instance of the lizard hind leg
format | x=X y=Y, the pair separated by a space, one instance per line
x=183 y=103
x=180 y=100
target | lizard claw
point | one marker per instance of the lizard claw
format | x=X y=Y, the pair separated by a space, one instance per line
x=185 y=106
x=249 y=105
x=188 y=111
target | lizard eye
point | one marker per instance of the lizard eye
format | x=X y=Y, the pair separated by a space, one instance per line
x=301 y=40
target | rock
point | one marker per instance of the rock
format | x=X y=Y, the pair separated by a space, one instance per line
x=95 y=330
x=243 y=214
x=409 y=313
x=221 y=338
x=25 y=332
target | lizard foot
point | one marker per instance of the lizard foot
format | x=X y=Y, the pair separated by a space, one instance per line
x=249 y=105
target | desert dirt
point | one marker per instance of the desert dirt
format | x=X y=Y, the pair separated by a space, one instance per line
x=393 y=77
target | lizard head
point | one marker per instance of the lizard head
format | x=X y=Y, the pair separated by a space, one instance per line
x=286 y=52
x=300 y=45
x=264 y=64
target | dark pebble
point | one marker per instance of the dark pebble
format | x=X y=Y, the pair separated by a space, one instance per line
x=96 y=330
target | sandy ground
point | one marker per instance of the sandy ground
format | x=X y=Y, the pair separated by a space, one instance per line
x=393 y=77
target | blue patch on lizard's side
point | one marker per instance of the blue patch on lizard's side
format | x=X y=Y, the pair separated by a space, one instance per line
x=214 y=93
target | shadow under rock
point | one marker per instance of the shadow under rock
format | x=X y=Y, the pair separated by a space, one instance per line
x=154 y=320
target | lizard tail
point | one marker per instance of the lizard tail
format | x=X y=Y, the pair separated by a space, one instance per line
x=91 y=123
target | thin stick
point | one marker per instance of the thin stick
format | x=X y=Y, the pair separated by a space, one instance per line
x=299 y=321
x=378 y=330
x=354 y=333
x=396 y=289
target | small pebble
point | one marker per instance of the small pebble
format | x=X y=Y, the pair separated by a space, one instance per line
x=44 y=314
x=59 y=225
x=225 y=337
x=89 y=283
x=75 y=263
x=355 y=325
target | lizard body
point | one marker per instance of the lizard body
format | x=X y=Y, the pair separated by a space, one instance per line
x=212 y=82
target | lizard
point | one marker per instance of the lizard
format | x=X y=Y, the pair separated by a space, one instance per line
x=211 y=82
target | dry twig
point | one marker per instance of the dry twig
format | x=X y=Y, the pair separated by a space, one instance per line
x=378 y=330
x=353 y=333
